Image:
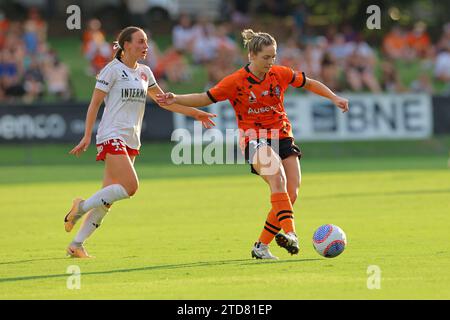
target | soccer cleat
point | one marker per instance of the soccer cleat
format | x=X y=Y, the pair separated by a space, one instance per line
x=74 y=214
x=77 y=251
x=261 y=251
x=288 y=241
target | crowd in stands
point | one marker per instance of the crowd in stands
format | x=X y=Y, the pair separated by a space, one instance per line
x=28 y=68
x=338 y=56
x=341 y=58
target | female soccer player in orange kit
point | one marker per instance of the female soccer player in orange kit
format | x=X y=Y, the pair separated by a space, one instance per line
x=256 y=93
x=124 y=85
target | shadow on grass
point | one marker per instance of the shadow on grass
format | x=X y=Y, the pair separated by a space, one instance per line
x=241 y=262
x=377 y=194
x=31 y=260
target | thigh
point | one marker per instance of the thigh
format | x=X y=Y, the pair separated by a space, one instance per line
x=119 y=168
x=109 y=179
x=293 y=172
x=266 y=162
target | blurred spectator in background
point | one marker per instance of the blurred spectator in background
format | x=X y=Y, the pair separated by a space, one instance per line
x=172 y=66
x=442 y=65
x=93 y=27
x=395 y=44
x=349 y=33
x=205 y=43
x=300 y=17
x=224 y=41
x=239 y=14
x=184 y=34
x=340 y=49
x=222 y=65
x=390 y=79
x=36 y=24
x=423 y=84
x=444 y=41
x=10 y=76
x=311 y=60
x=360 y=67
x=95 y=47
x=419 y=40
x=329 y=72
x=289 y=54
x=99 y=52
x=57 y=77
x=137 y=10
x=24 y=59
x=33 y=82
x=4 y=26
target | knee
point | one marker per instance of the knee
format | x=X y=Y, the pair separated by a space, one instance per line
x=132 y=188
x=278 y=181
x=293 y=194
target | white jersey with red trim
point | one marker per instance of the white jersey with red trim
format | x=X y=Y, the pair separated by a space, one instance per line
x=125 y=101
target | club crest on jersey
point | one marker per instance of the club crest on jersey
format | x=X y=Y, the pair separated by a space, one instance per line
x=252 y=97
x=144 y=76
x=277 y=91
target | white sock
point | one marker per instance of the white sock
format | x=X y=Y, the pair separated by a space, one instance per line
x=91 y=222
x=105 y=197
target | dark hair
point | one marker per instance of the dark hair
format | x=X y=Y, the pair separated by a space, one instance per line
x=125 y=35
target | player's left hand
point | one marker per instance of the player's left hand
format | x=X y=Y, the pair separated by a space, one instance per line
x=341 y=103
x=205 y=118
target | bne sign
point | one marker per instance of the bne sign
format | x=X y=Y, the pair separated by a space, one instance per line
x=371 y=117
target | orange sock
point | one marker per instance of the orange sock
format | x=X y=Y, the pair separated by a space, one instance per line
x=271 y=228
x=282 y=207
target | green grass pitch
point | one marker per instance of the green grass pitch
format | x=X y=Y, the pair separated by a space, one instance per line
x=188 y=232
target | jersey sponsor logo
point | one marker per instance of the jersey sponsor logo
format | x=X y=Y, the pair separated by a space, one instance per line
x=252 y=97
x=103 y=82
x=133 y=93
x=261 y=110
x=124 y=75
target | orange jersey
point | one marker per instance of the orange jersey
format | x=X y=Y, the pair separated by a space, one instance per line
x=258 y=104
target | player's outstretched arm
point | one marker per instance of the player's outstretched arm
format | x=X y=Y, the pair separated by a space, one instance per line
x=194 y=100
x=319 y=88
x=205 y=117
x=91 y=116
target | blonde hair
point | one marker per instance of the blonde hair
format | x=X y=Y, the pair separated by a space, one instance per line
x=256 y=41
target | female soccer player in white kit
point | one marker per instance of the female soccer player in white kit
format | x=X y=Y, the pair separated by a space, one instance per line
x=124 y=85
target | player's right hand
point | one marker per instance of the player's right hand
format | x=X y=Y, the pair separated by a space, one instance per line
x=165 y=99
x=81 y=147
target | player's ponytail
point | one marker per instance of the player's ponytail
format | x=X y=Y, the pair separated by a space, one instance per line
x=256 y=41
x=124 y=35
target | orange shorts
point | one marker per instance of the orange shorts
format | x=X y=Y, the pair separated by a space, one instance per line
x=114 y=146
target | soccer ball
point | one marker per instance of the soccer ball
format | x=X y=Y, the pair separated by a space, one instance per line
x=329 y=240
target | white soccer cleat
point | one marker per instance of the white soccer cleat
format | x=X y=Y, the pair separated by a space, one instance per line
x=261 y=251
x=289 y=241
x=73 y=216
x=77 y=251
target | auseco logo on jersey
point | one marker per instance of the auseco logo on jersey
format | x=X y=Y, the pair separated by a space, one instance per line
x=262 y=110
x=134 y=94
